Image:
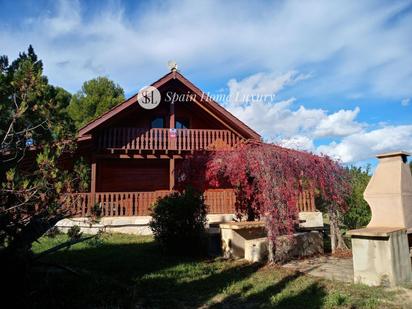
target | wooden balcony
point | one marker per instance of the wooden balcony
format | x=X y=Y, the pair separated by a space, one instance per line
x=166 y=139
x=115 y=204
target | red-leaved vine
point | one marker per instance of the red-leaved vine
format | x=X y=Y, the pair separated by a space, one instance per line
x=267 y=180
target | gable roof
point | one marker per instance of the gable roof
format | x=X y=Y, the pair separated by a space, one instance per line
x=220 y=113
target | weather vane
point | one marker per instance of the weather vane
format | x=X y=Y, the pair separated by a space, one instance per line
x=172 y=65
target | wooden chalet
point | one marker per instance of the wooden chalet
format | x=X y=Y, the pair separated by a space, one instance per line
x=134 y=151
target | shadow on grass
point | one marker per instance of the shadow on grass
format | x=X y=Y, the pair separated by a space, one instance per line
x=122 y=275
x=105 y=276
x=171 y=291
x=311 y=296
x=140 y=275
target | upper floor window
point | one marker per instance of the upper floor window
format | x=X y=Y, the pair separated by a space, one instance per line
x=157 y=122
x=182 y=124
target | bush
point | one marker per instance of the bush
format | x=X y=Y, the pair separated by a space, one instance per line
x=178 y=221
x=359 y=213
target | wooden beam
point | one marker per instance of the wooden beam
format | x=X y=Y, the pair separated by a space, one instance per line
x=217 y=118
x=172 y=122
x=93 y=175
x=171 y=174
x=125 y=156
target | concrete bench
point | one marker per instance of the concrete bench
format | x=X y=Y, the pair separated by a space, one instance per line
x=244 y=240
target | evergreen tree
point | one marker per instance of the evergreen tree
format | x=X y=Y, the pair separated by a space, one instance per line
x=96 y=97
x=32 y=111
x=34 y=128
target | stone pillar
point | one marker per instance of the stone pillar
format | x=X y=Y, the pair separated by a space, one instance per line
x=381 y=256
x=381 y=251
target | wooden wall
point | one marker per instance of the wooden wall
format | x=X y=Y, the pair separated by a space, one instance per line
x=138 y=117
x=121 y=175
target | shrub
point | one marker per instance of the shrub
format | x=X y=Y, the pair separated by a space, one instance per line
x=178 y=221
x=74 y=232
x=359 y=213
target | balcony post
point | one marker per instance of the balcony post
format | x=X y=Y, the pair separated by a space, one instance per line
x=171 y=174
x=93 y=175
x=93 y=182
x=172 y=125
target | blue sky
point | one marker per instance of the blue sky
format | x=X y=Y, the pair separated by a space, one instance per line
x=340 y=72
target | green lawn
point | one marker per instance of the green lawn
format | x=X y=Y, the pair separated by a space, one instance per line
x=124 y=271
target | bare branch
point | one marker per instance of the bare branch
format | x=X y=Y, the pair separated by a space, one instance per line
x=66 y=244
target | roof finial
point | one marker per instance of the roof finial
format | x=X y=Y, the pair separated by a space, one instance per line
x=172 y=65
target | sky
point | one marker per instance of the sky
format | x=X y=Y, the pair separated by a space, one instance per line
x=335 y=76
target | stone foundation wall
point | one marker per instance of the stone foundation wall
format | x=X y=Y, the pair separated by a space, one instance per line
x=298 y=245
x=137 y=225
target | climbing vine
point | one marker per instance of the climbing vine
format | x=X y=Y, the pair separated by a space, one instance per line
x=267 y=180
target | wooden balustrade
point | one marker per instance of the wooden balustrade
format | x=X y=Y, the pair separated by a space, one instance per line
x=166 y=139
x=113 y=204
x=306 y=201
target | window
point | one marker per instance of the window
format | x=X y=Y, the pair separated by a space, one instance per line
x=157 y=122
x=182 y=124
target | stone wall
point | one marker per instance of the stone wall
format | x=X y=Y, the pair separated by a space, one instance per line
x=138 y=225
x=298 y=245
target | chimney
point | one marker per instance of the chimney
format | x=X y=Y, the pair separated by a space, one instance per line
x=389 y=192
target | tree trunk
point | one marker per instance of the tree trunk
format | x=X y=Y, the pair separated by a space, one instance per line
x=271 y=245
x=337 y=241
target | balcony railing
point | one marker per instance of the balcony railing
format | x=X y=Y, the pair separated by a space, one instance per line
x=115 y=204
x=166 y=139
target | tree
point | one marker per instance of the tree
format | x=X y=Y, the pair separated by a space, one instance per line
x=36 y=133
x=32 y=111
x=267 y=179
x=359 y=213
x=96 y=97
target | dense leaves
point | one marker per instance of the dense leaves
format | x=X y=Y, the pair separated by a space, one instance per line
x=32 y=111
x=178 y=221
x=267 y=179
x=36 y=137
x=96 y=97
x=359 y=213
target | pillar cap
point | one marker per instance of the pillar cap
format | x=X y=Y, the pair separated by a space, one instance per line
x=393 y=154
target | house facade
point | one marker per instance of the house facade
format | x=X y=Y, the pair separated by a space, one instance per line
x=134 y=151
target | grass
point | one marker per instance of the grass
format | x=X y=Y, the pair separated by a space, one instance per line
x=124 y=271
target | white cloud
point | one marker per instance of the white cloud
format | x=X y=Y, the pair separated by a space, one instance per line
x=281 y=119
x=365 y=145
x=405 y=102
x=301 y=127
x=261 y=84
x=341 y=123
x=297 y=142
x=371 y=48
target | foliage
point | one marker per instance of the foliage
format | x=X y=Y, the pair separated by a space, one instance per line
x=74 y=232
x=32 y=111
x=178 y=221
x=267 y=179
x=96 y=97
x=35 y=138
x=359 y=213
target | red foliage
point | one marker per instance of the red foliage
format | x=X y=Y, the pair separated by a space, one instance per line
x=267 y=179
